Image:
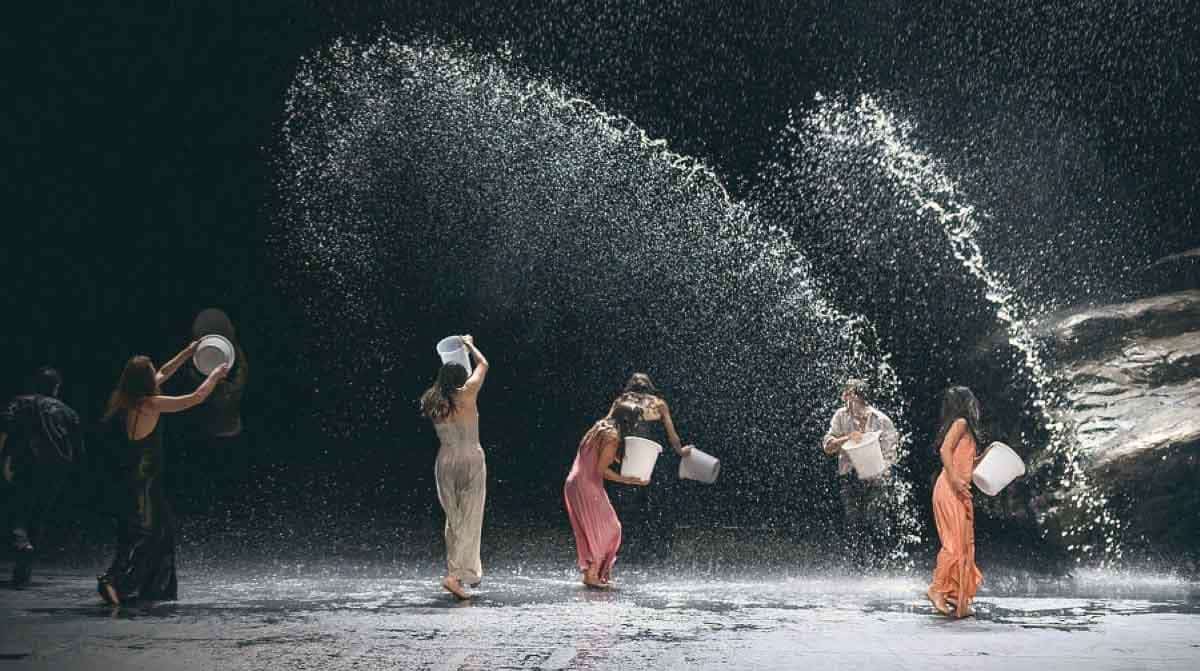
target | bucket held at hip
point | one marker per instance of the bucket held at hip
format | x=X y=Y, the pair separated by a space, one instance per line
x=866 y=456
x=452 y=350
x=640 y=455
x=699 y=466
x=213 y=351
x=999 y=466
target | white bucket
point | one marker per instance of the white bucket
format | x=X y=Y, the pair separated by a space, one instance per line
x=213 y=351
x=866 y=456
x=640 y=455
x=452 y=350
x=999 y=466
x=700 y=466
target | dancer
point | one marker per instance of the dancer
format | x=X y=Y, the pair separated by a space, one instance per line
x=653 y=410
x=863 y=501
x=593 y=519
x=648 y=511
x=460 y=470
x=956 y=578
x=144 y=566
x=40 y=442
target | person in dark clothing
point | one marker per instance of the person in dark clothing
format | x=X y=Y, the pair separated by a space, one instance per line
x=40 y=441
x=648 y=511
x=144 y=565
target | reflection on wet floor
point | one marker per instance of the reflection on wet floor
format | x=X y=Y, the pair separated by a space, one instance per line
x=1073 y=601
x=524 y=618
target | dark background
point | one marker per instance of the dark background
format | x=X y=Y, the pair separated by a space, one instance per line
x=140 y=146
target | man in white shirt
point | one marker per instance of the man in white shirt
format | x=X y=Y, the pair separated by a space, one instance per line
x=864 y=501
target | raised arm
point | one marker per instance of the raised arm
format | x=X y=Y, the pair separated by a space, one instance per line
x=170 y=404
x=946 y=451
x=168 y=369
x=481 y=365
x=608 y=454
x=672 y=437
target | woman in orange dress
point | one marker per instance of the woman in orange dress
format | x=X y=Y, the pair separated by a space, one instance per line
x=956 y=578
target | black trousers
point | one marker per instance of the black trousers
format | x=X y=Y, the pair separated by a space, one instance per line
x=36 y=492
x=869 y=519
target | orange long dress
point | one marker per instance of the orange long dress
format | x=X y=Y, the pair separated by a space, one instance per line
x=956 y=574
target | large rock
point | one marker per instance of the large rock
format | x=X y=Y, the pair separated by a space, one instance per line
x=1132 y=372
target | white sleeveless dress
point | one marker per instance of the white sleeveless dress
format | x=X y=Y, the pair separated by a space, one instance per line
x=461 y=476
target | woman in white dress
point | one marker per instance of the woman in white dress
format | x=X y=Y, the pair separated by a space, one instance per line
x=460 y=470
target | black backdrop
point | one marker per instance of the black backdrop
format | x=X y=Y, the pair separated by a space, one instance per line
x=139 y=145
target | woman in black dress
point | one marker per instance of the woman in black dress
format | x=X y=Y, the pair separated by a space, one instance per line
x=144 y=567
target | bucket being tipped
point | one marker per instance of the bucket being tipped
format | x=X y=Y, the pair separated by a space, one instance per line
x=640 y=455
x=213 y=351
x=452 y=350
x=999 y=466
x=866 y=456
x=699 y=466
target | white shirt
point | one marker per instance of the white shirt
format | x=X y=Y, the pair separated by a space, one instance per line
x=842 y=424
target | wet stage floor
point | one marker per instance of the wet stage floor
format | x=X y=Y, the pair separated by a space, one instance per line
x=382 y=617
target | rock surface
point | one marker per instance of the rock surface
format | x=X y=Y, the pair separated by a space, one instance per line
x=1133 y=382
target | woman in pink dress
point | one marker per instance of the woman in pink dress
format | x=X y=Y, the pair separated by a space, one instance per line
x=593 y=519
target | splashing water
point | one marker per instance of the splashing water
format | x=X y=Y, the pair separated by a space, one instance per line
x=414 y=160
x=882 y=143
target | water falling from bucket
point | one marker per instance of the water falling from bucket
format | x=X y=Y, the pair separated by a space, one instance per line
x=879 y=142
x=574 y=217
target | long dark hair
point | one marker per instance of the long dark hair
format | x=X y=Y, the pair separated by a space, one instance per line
x=639 y=389
x=624 y=416
x=958 y=403
x=138 y=382
x=437 y=402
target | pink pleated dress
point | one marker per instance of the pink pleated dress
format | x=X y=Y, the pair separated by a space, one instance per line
x=593 y=519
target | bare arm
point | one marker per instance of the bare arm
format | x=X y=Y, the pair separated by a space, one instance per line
x=170 y=404
x=481 y=365
x=946 y=451
x=607 y=455
x=168 y=369
x=672 y=436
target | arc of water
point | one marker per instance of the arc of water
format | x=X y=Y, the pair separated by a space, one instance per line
x=937 y=193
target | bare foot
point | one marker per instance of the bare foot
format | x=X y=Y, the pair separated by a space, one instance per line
x=593 y=581
x=938 y=600
x=452 y=585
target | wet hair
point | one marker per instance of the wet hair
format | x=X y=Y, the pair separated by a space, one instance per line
x=137 y=383
x=958 y=403
x=438 y=400
x=640 y=383
x=858 y=387
x=44 y=381
x=624 y=416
